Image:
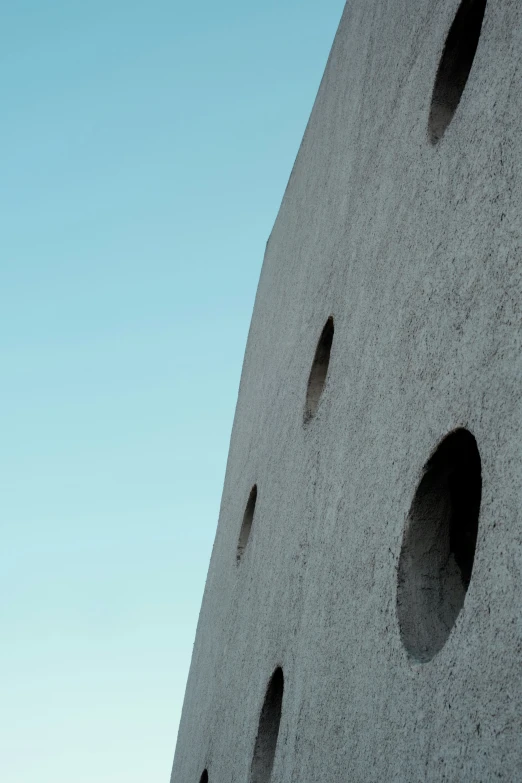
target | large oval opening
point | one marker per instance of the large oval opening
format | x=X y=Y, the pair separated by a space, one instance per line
x=455 y=66
x=319 y=371
x=438 y=548
x=246 y=525
x=268 y=731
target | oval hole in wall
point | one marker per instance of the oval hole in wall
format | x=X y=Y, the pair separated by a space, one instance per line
x=455 y=66
x=438 y=547
x=204 y=777
x=319 y=371
x=246 y=527
x=268 y=731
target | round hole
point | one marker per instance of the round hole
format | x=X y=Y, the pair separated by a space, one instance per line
x=204 y=777
x=319 y=369
x=438 y=546
x=455 y=65
x=269 y=720
x=246 y=527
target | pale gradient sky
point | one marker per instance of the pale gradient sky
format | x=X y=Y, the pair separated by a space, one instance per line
x=146 y=148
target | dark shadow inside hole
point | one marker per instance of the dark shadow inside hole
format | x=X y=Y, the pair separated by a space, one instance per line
x=455 y=65
x=204 y=777
x=268 y=731
x=438 y=549
x=319 y=371
x=246 y=525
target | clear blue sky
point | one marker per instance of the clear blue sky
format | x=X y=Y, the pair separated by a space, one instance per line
x=146 y=148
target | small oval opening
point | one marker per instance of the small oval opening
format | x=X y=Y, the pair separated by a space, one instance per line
x=268 y=731
x=438 y=547
x=246 y=527
x=319 y=371
x=455 y=66
x=204 y=777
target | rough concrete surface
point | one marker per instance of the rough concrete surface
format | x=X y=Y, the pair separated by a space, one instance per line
x=409 y=236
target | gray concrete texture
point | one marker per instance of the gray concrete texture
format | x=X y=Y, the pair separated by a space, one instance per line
x=362 y=619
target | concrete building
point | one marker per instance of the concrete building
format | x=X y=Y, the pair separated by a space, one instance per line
x=362 y=614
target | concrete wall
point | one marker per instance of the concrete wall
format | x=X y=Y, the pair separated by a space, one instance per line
x=413 y=247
